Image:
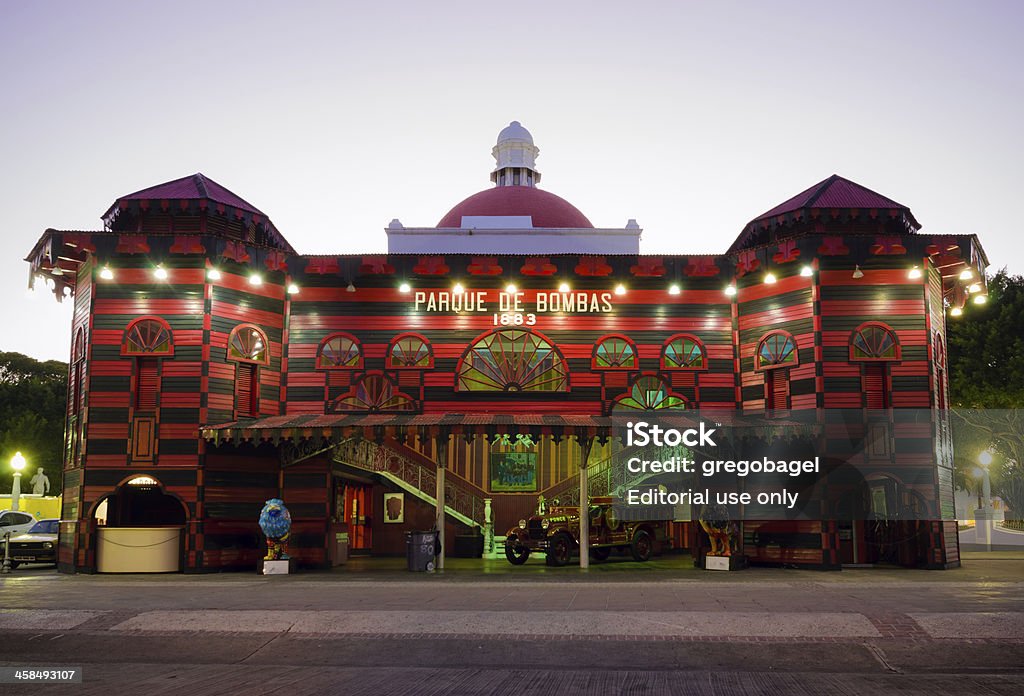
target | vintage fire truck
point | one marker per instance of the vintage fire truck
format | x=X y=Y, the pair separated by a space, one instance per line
x=556 y=533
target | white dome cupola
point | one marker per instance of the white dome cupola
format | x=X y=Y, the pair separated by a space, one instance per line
x=515 y=156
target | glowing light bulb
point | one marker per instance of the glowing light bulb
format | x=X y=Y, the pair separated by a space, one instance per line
x=255 y=279
x=160 y=273
x=806 y=271
x=674 y=289
x=769 y=278
x=974 y=287
x=730 y=290
x=620 y=289
x=106 y=273
x=914 y=273
x=213 y=274
x=966 y=274
x=293 y=289
x=980 y=299
x=511 y=289
x=404 y=287
x=458 y=289
x=564 y=287
x=955 y=312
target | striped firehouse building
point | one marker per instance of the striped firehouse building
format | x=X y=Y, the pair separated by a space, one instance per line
x=214 y=366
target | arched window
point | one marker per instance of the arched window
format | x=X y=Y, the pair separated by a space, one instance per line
x=249 y=348
x=147 y=336
x=614 y=353
x=513 y=360
x=340 y=351
x=410 y=351
x=683 y=352
x=374 y=393
x=874 y=342
x=650 y=393
x=248 y=343
x=777 y=349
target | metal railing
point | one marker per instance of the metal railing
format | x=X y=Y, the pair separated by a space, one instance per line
x=461 y=499
x=606 y=477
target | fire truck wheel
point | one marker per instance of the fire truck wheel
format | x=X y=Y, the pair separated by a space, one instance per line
x=601 y=554
x=515 y=553
x=641 y=546
x=560 y=550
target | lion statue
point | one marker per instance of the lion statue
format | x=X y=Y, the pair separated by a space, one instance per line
x=714 y=519
x=276 y=522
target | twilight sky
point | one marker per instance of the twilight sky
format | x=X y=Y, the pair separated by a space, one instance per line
x=334 y=117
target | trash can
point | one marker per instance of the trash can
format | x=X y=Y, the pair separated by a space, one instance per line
x=339 y=550
x=420 y=550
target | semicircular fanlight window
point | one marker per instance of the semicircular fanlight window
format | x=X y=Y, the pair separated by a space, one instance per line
x=614 y=352
x=248 y=343
x=682 y=353
x=650 y=393
x=147 y=337
x=873 y=342
x=513 y=360
x=409 y=351
x=340 y=352
x=374 y=393
x=776 y=350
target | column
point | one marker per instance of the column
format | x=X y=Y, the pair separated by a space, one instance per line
x=585 y=442
x=442 y=465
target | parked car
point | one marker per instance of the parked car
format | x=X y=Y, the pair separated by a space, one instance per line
x=15 y=522
x=556 y=533
x=37 y=545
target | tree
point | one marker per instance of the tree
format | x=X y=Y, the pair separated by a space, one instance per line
x=986 y=348
x=33 y=397
x=986 y=386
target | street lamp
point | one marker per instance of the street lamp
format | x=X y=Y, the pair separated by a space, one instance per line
x=985 y=458
x=17 y=463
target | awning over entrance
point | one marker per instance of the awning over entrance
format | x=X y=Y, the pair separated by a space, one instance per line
x=337 y=426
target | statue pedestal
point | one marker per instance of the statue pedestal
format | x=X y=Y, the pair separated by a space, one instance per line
x=733 y=562
x=276 y=567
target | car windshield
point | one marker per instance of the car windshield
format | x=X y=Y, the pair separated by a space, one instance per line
x=44 y=527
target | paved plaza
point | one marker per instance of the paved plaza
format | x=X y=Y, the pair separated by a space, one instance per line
x=662 y=627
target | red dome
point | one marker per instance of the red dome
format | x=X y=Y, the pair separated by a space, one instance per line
x=546 y=209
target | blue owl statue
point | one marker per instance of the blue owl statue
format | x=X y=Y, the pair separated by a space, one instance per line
x=276 y=522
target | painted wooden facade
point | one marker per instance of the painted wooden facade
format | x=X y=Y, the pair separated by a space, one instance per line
x=186 y=371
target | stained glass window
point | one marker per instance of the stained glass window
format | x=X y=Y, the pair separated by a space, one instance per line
x=248 y=344
x=873 y=342
x=650 y=393
x=683 y=353
x=374 y=393
x=513 y=360
x=340 y=351
x=776 y=350
x=147 y=337
x=612 y=352
x=409 y=351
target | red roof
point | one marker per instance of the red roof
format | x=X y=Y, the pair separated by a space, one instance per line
x=196 y=186
x=546 y=209
x=836 y=192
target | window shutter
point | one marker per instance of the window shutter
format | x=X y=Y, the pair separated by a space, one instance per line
x=777 y=389
x=147 y=382
x=874 y=386
x=246 y=394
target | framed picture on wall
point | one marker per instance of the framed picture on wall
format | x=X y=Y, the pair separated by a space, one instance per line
x=394 y=508
x=514 y=472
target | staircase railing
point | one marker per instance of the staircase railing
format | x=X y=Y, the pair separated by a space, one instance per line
x=462 y=500
x=606 y=477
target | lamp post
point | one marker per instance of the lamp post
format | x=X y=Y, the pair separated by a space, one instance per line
x=984 y=516
x=17 y=463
